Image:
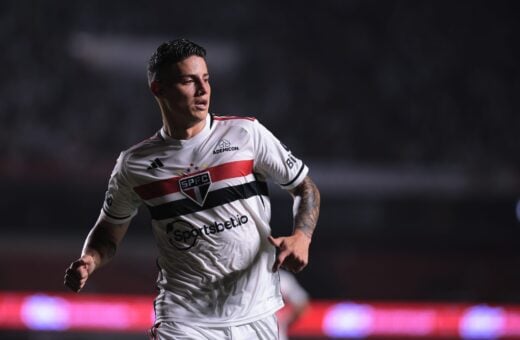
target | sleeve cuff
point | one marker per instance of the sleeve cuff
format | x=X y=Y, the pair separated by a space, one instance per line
x=115 y=219
x=304 y=170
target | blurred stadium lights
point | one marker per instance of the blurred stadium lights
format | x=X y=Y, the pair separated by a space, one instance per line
x=127 y=55
x=518 y=210
x=334 y=319
x=349 y=179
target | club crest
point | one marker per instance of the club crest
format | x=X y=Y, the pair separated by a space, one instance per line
x=196 y=187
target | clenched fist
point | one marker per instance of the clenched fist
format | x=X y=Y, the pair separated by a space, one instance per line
x=77 y=274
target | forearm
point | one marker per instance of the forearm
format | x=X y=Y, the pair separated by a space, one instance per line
x=102 y=242
x=99 y=245
x=306 y=207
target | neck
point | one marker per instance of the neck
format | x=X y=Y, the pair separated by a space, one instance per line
x=180 y=130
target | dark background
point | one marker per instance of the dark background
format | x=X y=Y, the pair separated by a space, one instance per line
x=405 y=111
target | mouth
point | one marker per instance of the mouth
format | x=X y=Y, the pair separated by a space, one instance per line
x=201 y=104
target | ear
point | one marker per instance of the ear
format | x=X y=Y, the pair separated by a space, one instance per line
x=156 y=89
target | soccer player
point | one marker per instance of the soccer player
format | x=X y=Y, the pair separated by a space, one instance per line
x=203 y=178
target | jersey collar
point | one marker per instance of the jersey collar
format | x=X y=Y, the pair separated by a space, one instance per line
x=183 y=143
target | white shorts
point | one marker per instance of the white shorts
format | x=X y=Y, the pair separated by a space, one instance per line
x=263 y=329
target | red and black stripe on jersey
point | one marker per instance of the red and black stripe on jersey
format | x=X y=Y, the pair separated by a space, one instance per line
x=214 y=198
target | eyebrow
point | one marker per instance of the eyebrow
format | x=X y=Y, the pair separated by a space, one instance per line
x=192 y=75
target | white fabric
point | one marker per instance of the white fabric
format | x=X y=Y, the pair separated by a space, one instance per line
x=210 y=215
x=263 y=329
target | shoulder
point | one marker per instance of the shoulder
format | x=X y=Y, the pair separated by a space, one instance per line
x=141 y=149
x=136 y=159
x=233 y=119
x=248 y=123
x=145 y=145
x=230 y=120
x=149 y=142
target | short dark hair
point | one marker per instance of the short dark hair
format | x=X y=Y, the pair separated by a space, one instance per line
x=169 y=53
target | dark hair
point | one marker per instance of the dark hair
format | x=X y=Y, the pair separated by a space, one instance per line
x=169 y=53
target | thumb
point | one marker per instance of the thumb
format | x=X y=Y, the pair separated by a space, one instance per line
x=86 y=261
x=280 y=255
x=274 y=241
x=78 y=263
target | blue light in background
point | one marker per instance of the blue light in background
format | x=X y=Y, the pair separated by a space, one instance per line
x=482 y=322
x=348 y=319
x=43 y=312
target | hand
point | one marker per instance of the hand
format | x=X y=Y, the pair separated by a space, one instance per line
x=77 y=274
x=293 y=251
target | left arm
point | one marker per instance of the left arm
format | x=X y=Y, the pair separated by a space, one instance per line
x=294 y=250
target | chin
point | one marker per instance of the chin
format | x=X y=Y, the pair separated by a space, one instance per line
x=200 y=114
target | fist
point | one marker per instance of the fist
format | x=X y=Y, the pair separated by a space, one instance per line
x=77 y=274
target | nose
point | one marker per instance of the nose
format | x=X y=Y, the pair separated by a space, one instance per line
x=202 y=88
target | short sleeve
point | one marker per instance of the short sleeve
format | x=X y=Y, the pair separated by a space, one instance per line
x=121 y=202
x=275 y=161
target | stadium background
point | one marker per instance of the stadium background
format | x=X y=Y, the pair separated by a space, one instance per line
x=405 y=111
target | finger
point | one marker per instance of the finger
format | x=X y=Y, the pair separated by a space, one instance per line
x=274 y=241
x=79 y=273
x=75 y=281
x=289 y=265
x=72 y=278
x=74 y=284
x=76 y=275
x=294 y=264
x=276 y=266
x=297 y=268
x=78 y=263
x=298 y=265
x=75 y=265
x=280 y=260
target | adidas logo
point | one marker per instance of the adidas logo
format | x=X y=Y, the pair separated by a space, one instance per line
x=223 y=146
x=156 y=163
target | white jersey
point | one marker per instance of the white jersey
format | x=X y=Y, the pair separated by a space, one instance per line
x=210 y=213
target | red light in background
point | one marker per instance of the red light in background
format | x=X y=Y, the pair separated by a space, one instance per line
x=338 y=319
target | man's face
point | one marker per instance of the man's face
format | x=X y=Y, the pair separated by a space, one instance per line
x=188 y=92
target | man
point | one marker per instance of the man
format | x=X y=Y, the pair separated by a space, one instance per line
x=203 y=178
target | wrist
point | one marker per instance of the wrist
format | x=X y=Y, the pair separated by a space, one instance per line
x=92 y=260
x=300 y=233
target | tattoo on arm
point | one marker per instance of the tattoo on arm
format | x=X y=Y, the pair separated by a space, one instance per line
x=306 y=206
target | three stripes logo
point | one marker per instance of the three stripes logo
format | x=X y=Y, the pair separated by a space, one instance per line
x=156 y=163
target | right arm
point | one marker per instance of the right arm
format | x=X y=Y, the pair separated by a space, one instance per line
x=99 y=248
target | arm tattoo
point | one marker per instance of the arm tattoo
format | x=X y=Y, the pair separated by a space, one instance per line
x=306 y=206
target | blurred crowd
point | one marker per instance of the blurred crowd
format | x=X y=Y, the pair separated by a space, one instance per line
x=392 y=82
